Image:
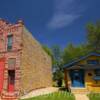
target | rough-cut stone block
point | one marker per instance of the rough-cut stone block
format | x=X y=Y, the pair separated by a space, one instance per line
x=33 y=65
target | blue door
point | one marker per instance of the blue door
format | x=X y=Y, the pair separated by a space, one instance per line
x=77 y=78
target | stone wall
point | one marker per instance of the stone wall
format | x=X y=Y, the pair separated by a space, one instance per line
x=35 y=65
x=15 y=30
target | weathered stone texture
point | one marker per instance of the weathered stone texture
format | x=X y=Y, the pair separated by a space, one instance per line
x=35 y=65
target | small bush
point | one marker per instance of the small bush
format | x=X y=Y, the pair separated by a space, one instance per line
x=94 y=96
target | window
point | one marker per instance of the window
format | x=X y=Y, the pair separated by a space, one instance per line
x=1 y=41
x=9 y=43
x=11 y=63
x=97 y=75
x=93 y=62
x=97 y=72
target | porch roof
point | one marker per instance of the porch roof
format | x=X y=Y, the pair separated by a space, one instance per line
x=78 y=60
x=85 y=67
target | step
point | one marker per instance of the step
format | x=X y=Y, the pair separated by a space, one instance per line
x=79 y=90
x=81 y=97
x=8 y=97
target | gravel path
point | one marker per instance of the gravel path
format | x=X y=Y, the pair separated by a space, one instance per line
x=40 y=92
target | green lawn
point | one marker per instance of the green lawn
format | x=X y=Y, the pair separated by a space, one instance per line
x=54 y=96
x=94 y=96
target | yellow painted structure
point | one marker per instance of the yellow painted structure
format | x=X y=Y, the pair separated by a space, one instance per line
x=90 y=84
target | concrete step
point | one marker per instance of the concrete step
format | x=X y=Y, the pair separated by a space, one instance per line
x=79 y=90
x=7 y=97
x=81 y=97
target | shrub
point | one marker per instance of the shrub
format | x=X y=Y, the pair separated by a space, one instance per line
x=94 y=96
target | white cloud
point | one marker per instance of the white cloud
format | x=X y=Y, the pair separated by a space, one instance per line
x=61 y=20
x=65 y=13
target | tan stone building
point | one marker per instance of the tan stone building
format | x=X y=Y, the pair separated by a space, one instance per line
x=24 y=65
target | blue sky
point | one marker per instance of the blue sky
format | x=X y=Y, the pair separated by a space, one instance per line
x=53 y=22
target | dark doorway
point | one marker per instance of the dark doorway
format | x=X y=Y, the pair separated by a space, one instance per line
x=11 y=80
x=77 y=78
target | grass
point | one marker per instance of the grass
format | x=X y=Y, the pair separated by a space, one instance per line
x=94 y=96
x=55 y=96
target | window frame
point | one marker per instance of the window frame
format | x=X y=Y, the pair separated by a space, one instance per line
x=93 y=62
x=97 y=72
x=9 y=45
x=10 y=64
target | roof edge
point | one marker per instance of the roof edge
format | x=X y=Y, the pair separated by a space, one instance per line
x=82 y=58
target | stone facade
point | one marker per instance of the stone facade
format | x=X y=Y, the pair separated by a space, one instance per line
x=35 y=64
x=32 y=65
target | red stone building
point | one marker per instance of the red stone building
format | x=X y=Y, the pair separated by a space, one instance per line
x=24 y=65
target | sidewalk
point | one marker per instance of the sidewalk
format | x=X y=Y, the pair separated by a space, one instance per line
x=81 y=97
x=40 y=92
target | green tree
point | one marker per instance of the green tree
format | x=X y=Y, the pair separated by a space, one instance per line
x=57 y=65
x=71 y=53
x=56 y=55
x=47 y=50
x=93 y=37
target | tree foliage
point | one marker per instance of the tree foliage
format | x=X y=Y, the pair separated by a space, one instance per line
x=93 y=37
x=47 y=50
x=72 y=53
x=57 y=65
x=57 y=56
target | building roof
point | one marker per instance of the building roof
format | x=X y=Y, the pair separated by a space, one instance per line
x=78 y=60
